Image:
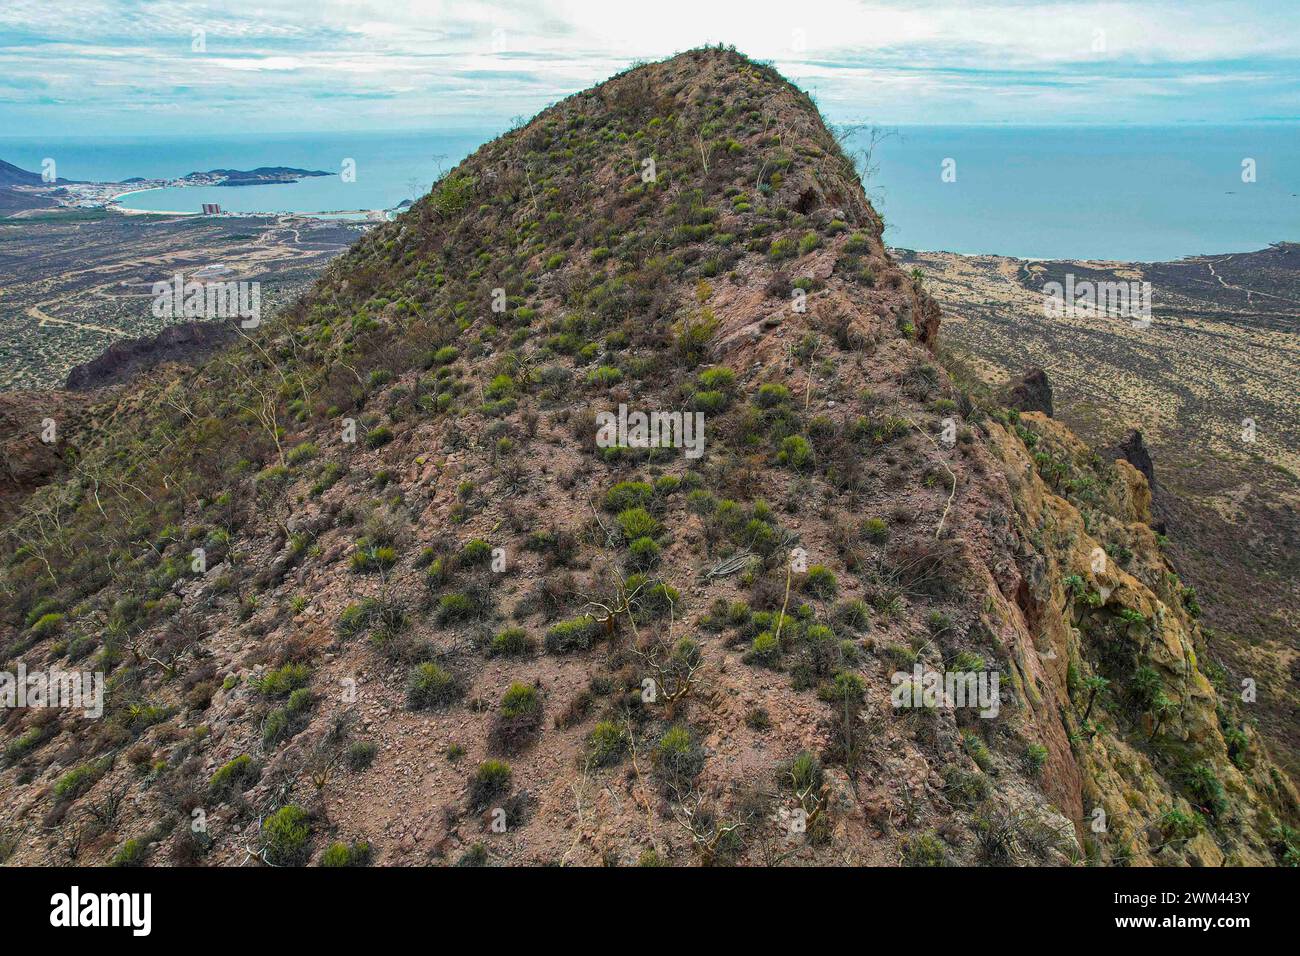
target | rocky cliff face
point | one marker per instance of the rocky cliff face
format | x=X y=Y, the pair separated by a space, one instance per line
x=398 y=580
x=1168 y=765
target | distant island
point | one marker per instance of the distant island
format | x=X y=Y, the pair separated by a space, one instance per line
x=262 y=176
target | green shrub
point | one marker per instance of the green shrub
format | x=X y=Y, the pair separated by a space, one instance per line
x=783 y=248
x=431 y=685
x=765 y=651
x=1177 y=826
x=29 y=741
x=606 y=744
x=282 y=681
x=277 y=726
x=1206 y=790
x=795 y=452
x=501 y=386
x=656 y=601
x=512 y=642
x=379 y=436
x=854 y=614
x=454 y=607
x=45 y=605
x=923 y=849
x=373 y=558
x=519 y=717
x=978 y=751
x=628 y=494
x=237 y=775
x=47 y=624
x=340 y=854
x=76 y=781
x=717 y=379
x=965 y=788
x=1035 y=758
x=644 y=553
x=876 y=530
x=711 y=403
x=772 y=394
x=604 y=375
x=355 y=618
x=845 y=687
x=637 y=523
x=475 y=553
x=577 y=634
x=677 y=756
x=131 y=853
x=821 y=582
x=490 y=780
x=520 y=700
x=940 y=623
x=285 y=835
x=666 y=485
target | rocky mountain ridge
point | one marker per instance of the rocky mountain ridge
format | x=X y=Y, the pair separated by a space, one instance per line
x=371 y=588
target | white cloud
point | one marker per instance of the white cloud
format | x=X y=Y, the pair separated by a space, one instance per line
x=901 y=60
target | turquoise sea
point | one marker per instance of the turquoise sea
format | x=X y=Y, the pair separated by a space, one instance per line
x=1122 y=192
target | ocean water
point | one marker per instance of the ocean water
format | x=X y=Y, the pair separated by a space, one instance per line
x=1129 y=193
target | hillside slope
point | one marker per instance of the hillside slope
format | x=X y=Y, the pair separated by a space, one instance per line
x=370 y=585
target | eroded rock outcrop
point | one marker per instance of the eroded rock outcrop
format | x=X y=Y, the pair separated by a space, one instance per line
x=185 y=342
x=1032 y=393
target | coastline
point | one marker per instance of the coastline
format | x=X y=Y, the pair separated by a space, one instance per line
x=115 y=203
x=1098 y=263
x=367 y=216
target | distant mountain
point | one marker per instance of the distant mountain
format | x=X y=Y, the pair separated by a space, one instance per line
x=11 y=175
x=11 y=201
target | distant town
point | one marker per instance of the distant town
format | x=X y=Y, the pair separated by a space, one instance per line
x=22 y=190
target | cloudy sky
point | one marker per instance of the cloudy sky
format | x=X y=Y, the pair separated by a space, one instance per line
x=103 y=67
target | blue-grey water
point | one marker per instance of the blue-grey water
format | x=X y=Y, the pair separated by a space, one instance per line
x=1129 y=193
